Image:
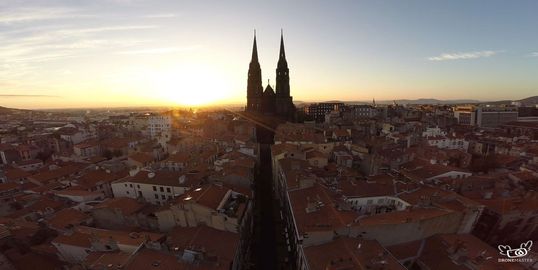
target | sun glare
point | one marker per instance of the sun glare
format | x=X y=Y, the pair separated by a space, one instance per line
x=189 y=86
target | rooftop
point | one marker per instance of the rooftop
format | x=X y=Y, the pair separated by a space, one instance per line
x=313 y=209
x=350 y=253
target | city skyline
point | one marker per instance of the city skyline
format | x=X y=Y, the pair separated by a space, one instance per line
x=137 y=53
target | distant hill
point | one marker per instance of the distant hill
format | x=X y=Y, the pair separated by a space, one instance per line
x=5 y=110
x=411 y=101
x=530 y=100
x=434 y=101
x=11 y=110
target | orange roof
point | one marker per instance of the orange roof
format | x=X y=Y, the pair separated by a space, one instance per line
x=405 y=250
x=280 y=148
x=8 y=186
x=75 y=239
x=127 y=206
x=438 y=249
x=244 y=162
x=57 y=173
x=13 y=174
x=151 y=259
x=236 y=170
x=103 y=260
x=41 y=205
x=203 y=237
x=32 y=261
x=94 y=177
x=324 y=216
x=315 y=154
x=361 y=188
x=86 y=144
x=66 y=217
x=178 y=158
x=208 y=195
x=398 y=217
x=428 y=171
x=350 y=253
x=76 y=192
x=141 y=157
x=504 y=205
x=163 y=178
x=122 y=237
x=436 y=195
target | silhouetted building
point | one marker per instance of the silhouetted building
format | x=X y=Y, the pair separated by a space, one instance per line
x=319 y=110
x=485 y=116
x=270 y=102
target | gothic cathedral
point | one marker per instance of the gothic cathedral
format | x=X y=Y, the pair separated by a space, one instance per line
x=270 y=102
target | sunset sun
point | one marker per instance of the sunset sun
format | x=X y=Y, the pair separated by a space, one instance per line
x=189 y=86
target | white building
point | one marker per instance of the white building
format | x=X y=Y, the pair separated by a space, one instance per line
x=160 y=125
x=433 y=132
x=154 y=187
x=449 y=142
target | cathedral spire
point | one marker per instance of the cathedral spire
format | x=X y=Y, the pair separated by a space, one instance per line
x=254 y=81
x=282 y=54
x=254 y=50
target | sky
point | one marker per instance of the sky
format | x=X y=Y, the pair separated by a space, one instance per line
x=110 y=53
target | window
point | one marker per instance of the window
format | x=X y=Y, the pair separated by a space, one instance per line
x=163 y=197
x=138 y=186
x=130 y=185
x=162 y=189
x=156 y=196
x=168 y=190
x=154 y=188
x=369 y=202
x=140 y=193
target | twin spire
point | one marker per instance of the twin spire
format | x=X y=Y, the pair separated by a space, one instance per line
x=275 y=101
x=281 y=55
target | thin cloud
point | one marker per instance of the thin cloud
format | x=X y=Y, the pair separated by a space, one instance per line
x=29 y=96
x=160 y=16
x=106 y=29
x=534 y=54
x=159 y=50
x=63 y=43
x=36 y=14
x=463 y=55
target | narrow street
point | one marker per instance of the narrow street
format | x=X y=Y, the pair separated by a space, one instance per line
x=269 y=244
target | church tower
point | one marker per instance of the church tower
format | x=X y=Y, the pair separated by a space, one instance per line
x=284 y=102
x=254 y=82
